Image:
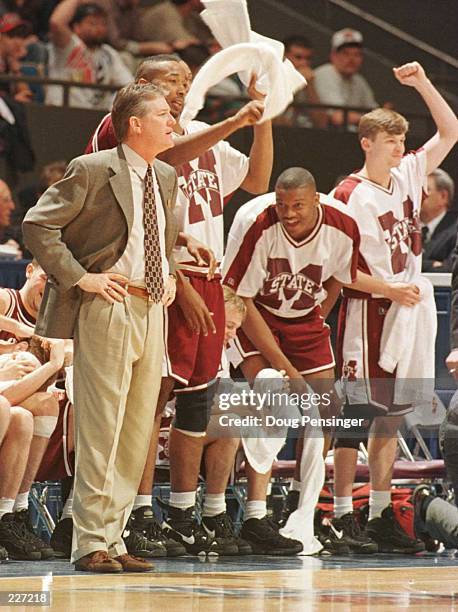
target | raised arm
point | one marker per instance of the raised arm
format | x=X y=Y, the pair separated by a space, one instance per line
x=437 y=148
x=191 y=146
x=261 y=152
x=59 y=22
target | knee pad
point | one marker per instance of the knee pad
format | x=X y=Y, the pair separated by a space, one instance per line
x=193 y=410
x=345 y=438
x=43 y=426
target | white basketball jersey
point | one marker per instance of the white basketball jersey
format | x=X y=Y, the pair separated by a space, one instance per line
x=284 y=276
x=202 y=185
x=388 y=219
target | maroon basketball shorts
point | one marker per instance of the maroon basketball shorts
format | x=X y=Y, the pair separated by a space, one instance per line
x=305 y=341
x=58 y=461
x=194 y=359
x=358 y=353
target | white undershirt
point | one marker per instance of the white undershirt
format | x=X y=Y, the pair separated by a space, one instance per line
x=132 y=262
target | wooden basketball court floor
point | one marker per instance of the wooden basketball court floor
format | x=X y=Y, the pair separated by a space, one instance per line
x=255 y=584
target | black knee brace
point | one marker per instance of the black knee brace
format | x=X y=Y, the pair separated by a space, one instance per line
x=352 y=438
x=193 y=409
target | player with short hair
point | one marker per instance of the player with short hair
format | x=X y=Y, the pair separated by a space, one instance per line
x=384 y=198
x=284 y=251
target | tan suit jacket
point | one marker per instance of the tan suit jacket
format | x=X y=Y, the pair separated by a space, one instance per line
x=82 y=224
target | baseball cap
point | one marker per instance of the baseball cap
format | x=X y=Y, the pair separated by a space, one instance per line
x=13 y=21
x=347 y=36
x=88 y=9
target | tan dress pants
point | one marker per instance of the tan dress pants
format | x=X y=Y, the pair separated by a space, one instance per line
x=117 y=376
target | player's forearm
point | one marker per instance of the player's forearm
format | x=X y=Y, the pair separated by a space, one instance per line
x=333 y=288
x=190 y=146
x=369 y=284
x=260 y=335
x=24 y=388
x=10 y=325
x=261 y=160
x=444 y=117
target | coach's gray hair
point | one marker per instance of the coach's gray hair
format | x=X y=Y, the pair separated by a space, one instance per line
x=444 y=182
x=294 y=178
x=131 y=100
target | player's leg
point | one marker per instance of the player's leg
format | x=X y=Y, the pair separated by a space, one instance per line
x=45 y=410
x=382 y=526
x=13 y=459
x=192 y=414
x=219 y=458
x=258 y=529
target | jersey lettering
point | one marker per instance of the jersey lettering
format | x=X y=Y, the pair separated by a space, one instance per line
x=401 y=235
x=201 y=187
x=284 y=290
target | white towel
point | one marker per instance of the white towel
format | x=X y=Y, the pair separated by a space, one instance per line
x=246 y=53
x=312 y=472
x=279 y=79
x=262 y=445
x=407 y=345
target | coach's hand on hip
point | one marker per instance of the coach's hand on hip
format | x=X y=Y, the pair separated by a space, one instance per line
x=107 y=284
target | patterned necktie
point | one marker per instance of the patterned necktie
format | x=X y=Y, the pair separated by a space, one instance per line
x=424 y=235
x=154 y=280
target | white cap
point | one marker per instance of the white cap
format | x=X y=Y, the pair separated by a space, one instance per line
x=347 y=36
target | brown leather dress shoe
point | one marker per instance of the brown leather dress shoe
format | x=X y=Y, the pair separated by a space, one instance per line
x=130 y=563
x=98 y=562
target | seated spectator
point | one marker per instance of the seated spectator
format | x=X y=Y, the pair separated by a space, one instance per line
x=189 y=11
x=124 y=33
x=14 y=33
x=299 y=51
x=166 y=22
x=78 y=53
x=439 y=223
x=16 y=153
x=9 y=235
x=339 y=81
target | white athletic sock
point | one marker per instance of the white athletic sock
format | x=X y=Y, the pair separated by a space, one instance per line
x=21 y=502
x=255 y=509
x=214 y=503
x=343 y=505
x=67 y=512
x=295 y=485
x=183 y=500
x=378 y=501
x=6 y=505
x=142 y=500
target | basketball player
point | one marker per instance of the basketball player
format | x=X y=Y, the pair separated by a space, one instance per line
x=283 y=250
x=384 y=198
x=22 y=305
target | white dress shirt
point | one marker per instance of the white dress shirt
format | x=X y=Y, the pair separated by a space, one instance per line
x=132 y=262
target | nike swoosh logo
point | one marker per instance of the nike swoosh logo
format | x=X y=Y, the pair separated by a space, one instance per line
x=187 y=539
x=338 y=534
x=211 y=533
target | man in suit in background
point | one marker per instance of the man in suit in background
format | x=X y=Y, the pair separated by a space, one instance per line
x=104 y=234
x=439 y=223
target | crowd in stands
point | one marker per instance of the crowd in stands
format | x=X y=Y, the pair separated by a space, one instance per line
x=137 y=49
